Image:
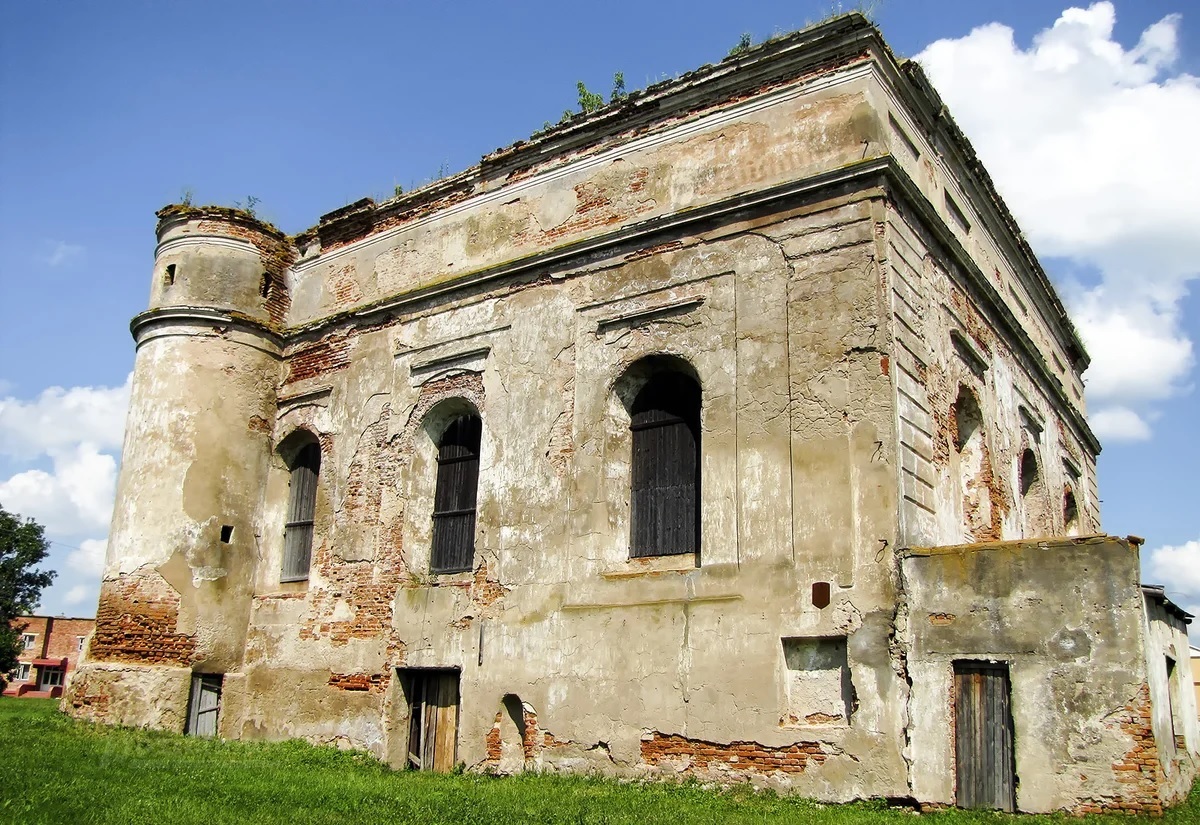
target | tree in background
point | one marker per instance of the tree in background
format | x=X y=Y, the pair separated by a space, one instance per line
x=22 y=545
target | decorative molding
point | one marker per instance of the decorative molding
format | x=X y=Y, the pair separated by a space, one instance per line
x=456 y=359
x=458 y=339
x=966 y=350
x=204 y=240
x=633 y=317
x=287 y=403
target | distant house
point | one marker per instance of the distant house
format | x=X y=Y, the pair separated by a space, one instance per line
x=52 y=649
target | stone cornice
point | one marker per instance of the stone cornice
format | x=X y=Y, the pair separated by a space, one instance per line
x=145 y=325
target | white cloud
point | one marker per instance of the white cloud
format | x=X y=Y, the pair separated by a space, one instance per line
x=76 y=498
x=1137 y=350
x=1082 y=136
x=77 y=433
x=88 y=559
x=60 y=418
x=1119 y=424
x=79 y=594
x=1178 y=568
x=61 y=252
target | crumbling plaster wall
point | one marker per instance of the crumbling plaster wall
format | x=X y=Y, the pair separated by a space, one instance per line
x=922 y=146
x=1174 y=722
x=821 y=122
x=535 y=302
x=948 y=339
x=1066 y=617
x=604 y=650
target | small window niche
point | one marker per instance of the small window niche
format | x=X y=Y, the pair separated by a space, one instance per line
x=818 y=688
x=169 y=275
x=1029 y=470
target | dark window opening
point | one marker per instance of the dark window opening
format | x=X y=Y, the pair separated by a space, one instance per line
x=454 y=496
x=226 y=533
x=1172 y=702
x=967 y=418
x=169 y=275
x=302 y=501
x=665 y=502
x=265 y=287
x=1070 y=508
x=1029 y=470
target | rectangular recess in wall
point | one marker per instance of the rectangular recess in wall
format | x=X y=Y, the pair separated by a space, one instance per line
x=965 y=349
x=818 y=688
x=1012 y=291
x=956 y=214
x=905 y=140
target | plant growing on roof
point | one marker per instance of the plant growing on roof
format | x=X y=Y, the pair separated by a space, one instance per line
x=588 y=101
x=248 y=205
x=618 y=89
x=743 y=45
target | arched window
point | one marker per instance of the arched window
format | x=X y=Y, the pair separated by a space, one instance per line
x=454 y=496
x=1029 y=470
x=302 y=502
x=665 y=502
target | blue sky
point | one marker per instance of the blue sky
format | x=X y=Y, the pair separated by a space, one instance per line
x=109 y=111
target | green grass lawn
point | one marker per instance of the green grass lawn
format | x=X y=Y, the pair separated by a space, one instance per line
x=54 y=769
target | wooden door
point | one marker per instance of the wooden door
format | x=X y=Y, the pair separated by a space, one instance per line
x=205 y=705
x=983 y=736
x=433 y=719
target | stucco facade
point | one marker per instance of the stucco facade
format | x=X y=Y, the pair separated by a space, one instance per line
x=800 y=232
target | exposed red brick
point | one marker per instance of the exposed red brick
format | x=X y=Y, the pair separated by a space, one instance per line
x=693 y=755
x=365 y=682
x=320 y=357
x=136 y=622
x=493 y=742
x=1139 y=771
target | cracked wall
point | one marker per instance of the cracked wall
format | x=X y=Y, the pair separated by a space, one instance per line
x=758 y=229
x=1066 y=617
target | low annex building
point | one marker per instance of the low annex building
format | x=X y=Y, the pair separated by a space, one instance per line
x=50 y=652
x=732 y=431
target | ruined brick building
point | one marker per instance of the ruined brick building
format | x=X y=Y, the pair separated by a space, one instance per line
x=732 y=430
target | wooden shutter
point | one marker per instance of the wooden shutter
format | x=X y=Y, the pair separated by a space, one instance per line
x=983 y=736
x=302 y=502
x=665 y=486
x=454 y=496
x=205 y=705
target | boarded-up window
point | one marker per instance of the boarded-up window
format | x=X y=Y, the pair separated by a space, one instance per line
x=983 y=736
x=454 y=496
x=302 y=502
x=665 y=503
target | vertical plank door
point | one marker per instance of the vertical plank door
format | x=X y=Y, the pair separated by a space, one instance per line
x=983 y=736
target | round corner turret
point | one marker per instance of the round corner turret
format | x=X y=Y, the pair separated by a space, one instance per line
x=224 y=259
